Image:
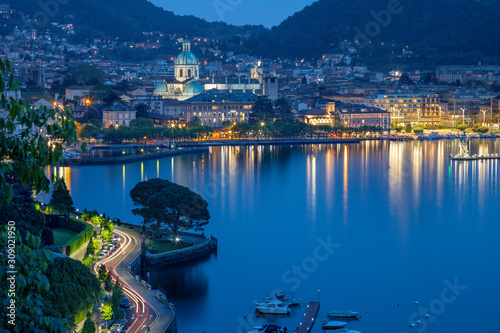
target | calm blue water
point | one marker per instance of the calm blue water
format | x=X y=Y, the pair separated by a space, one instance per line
x=403 y=224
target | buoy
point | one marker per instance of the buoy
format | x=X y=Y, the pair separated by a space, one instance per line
x=416 y=302
x=427 y=316
x=411 y=325
x=398 y=305
x=418 y=322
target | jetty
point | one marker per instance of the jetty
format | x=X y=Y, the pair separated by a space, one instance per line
x=474 y=157
x=309 y=318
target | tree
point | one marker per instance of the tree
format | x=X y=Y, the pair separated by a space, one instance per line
x=73 y=288
x=195 y=122
x=86 y=74
x=21 y=209
x=166 y=203
x=24 y=151
x=408 y=128
x=116 y=298
x=262 y=111
x=283 y=110
x=142 y=110
x=61 y=199
x=32 y=283
x=47 y=236
x=106 y=311
x=88 y=326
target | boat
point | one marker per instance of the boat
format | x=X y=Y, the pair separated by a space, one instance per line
x=343 y=314
x=280 y=296
x=333 y=325
x=273 y=307
x=269 y=328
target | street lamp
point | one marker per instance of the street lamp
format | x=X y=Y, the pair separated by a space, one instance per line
x=463 y=115
x=484 y=116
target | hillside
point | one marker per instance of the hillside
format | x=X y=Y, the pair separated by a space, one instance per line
x=434 y=30
x=125 y=19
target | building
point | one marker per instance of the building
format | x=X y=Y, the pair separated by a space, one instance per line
x=187 y=82
x=214 y=107
x=118 y=115
x=79 y=92
x=353 y=115
x=463 y=107
x=409 y=108
x=270 y=85
x=348 y=98
x=495 y=111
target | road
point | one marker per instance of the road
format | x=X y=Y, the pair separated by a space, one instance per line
x=142 y=315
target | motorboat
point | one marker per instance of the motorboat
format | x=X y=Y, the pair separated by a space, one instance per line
x=280 y=296
x=273 y=307
x=343 y=314
x=269 y=328
x=333 y=325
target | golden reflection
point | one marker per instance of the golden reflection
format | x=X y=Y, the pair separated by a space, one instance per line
x=346 y=187
x=311 y=187
x=157 y=168
x=142 y=171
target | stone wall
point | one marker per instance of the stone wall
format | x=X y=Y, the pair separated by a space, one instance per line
x=181 y=255
x=131 y=158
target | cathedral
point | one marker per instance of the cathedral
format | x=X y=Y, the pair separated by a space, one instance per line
x=187 y=82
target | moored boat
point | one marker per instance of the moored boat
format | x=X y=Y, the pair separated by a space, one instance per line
x=333 y=325
x=343 y=314
x=273 y=307
x=269 y=328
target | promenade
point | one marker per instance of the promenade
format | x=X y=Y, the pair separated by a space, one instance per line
x=147 y=313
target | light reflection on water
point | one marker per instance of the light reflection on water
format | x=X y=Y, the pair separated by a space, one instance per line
x=406 y=218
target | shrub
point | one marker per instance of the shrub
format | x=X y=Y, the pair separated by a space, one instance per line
x=462 y=127
x=440 y=126
x=483 y=129
x=408 y=128
x=47 y=236
x=78 y=240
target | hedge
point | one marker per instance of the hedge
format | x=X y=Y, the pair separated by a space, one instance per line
x=86 y=231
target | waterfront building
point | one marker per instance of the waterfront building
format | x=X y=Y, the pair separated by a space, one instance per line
x=214 y=107
x=186 y=82
x=495 y=112
x=79 y=92
x=348 y=98
x=463 y=107
x=118 y=115
x=409 y=108
x=354 y=115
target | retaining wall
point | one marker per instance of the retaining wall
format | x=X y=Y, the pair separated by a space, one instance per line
x=181 y=255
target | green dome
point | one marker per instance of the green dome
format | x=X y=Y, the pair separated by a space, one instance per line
x=186 y=57
x=194 y=88
x=162 y=87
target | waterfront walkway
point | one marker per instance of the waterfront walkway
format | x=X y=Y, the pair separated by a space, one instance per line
x=147 y=310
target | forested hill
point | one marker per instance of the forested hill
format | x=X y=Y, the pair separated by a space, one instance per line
x=125 y=19
x=443 y=30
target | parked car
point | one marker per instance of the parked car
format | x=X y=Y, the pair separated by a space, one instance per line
x=116 y=328
x=123 y=323
x=125 y=303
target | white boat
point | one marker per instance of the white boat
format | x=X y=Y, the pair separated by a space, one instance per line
x=343 y=314
x=273 y=307
x=270 y=328
x=333 y=325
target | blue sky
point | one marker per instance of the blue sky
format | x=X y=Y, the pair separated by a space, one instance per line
x=239 y=12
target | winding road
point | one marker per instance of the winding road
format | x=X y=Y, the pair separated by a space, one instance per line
x=146 y=313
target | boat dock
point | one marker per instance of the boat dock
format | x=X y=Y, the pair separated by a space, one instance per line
x=474 y=157
x=309 y=318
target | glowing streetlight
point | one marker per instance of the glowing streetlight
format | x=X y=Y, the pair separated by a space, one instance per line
x=484 y=116
x=463 y=115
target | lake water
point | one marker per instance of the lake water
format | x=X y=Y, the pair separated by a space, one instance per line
x=371 y=227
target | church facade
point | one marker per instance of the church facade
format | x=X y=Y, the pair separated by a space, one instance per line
x=187 y=83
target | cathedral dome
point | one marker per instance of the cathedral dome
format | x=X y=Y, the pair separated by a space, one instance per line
x=162 y=87
x=194 y=88
x=186 y=57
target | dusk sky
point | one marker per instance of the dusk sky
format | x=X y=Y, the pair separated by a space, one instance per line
x=238 y=12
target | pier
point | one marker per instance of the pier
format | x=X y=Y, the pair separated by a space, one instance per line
x=309 y=318
x=474 y=157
